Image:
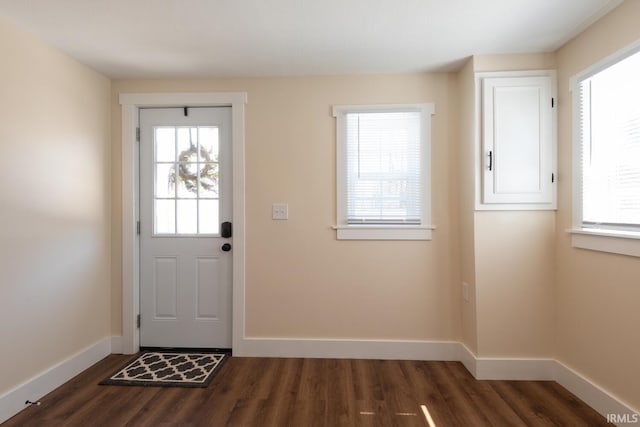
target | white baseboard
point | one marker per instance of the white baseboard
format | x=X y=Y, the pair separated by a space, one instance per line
x=489 y=368
x=13 y=401
x=467 y=358
x=547 y=370
x=116 y=344
x=593 y=395
x=515 y=369
x=348 y=349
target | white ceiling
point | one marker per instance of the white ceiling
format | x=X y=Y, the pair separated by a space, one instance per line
x=189 y=38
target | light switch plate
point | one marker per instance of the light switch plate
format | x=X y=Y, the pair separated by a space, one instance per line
x=280 y=211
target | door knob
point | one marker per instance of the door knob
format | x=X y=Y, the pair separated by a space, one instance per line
x=226 y=247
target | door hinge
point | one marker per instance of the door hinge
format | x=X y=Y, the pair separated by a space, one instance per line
x=138 y=321
x=138 y=134
x=553 y=102
x=138 y=228
x=553 y=178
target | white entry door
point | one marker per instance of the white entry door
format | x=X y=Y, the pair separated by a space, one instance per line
x=185 y=214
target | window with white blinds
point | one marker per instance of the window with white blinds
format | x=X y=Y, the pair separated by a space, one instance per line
x=609 y=144
x=383 y=171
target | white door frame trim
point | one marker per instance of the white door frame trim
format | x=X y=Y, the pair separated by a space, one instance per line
x=131 y=103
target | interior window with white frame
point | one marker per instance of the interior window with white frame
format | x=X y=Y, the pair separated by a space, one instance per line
x=607 y=147
x=383 y=171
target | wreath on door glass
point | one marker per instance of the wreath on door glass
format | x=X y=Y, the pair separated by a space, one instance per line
x=189 y=171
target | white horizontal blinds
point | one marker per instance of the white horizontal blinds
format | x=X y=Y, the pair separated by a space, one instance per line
x=383 y=167
x=610 y=134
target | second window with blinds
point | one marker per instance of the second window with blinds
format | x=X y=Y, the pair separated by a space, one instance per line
x=383 y=172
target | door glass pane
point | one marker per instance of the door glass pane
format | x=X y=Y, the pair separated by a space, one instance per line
x=208 y=137
x=188 y=180
x=165 y=180
x=209 y=180
x=165 y=217
x=209 y=219
x=165 y=144
x=187 y=144
x=187 y=217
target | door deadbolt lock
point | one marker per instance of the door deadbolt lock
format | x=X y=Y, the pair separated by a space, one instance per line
x=226 y=247
x=226 y=230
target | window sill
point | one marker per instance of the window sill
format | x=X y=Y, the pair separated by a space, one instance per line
x=613 y=241
x=383 y=232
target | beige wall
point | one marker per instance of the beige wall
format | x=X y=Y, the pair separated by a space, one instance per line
x=465 y=167
x=510 y=257
x=301 y=281
x=55 y=213
x=598 y=294
x=515 y=258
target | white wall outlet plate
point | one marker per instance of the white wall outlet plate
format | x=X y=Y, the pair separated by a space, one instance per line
x=280 y=211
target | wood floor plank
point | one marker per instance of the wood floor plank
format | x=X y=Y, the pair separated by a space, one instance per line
x=229 y=386
x=148 y=415
x=341 y=393
x=537 y=405
x=565 y=397
x=282 y=400
x=458 y=397
x=531 y=411
x=426 y=390
x=366 y=381
x=260 y=392
x=311 y=413
x=489 y=403
x=248 y=412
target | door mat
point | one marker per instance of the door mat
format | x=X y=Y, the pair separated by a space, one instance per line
x=169 y=369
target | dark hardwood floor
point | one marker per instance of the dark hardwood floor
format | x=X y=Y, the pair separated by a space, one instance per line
x=313 y=392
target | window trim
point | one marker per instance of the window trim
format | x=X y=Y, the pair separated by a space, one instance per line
x=479 y=204
x=345 y=231
x=612 y=240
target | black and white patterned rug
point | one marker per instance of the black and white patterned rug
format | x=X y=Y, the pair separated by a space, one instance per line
x=169 y=369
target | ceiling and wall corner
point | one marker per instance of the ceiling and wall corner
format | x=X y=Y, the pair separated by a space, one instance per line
x=198 y=38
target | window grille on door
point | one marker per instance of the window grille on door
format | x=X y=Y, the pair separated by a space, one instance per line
x=186 y=181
